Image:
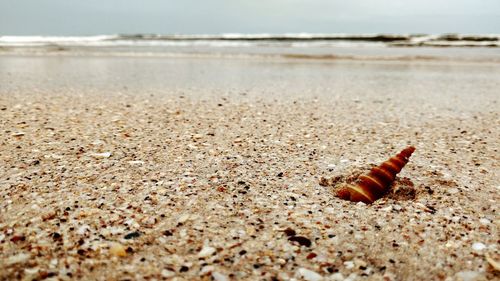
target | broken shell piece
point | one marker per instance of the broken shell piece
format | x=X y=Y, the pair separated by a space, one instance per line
x=118 y=250
x=206 y=251
x=19 y=258
x=219 y=276
x=372 y=186
x=308 y=275
x=102 y=155
x=495 y=264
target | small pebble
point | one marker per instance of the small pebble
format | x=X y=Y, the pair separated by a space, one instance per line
x=206 y=269
x=478 y=246
x=184 y=269
x=289 y=232
x=167 y=273
x=468 y=275
x=485 y=221
x=19 y=258
x=117 y=250
x=19 y=134
x=183 y=218
x=303 y=241
x=219 y=276
x=349 y=264
x=83 y=229
x=337 y=277
x=309 y=275
x=132 y=235
x=206 y=251
x=102 y=155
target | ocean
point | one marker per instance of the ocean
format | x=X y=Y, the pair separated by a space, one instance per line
x=303 y=45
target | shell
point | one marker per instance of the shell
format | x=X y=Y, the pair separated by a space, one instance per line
x=376 y=183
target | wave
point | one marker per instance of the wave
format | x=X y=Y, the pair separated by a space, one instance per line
x=48 y=40
x=249 y=40
x=270 y=37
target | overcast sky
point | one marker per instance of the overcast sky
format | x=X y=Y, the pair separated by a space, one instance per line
x=92 y=17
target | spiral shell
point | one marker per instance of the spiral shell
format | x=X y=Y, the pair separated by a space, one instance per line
x=376 y=183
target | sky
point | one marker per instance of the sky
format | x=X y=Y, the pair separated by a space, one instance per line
x=95 y=17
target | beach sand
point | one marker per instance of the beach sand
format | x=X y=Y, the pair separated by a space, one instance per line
x=158 y=168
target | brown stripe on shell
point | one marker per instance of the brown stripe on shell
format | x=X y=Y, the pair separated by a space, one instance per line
x=375 y=184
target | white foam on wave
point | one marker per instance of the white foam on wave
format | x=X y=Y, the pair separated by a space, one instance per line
x=45 y=40
x=172 y=41
x=294 y=40
x=270 y=36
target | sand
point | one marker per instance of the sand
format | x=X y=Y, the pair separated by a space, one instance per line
x=185 y=169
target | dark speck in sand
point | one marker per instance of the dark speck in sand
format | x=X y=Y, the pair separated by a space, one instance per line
x=167 y=233
x=18 y=238
x=303 y=241
x=429 y=190
x=431 y=210
x=56 y=236
x=331 y=270
x=184 y=268
x=132 y=235
x=280 y=175
x=290 y=232
x=311 y=256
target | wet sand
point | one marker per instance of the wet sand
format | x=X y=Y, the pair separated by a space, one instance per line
x=117 y=168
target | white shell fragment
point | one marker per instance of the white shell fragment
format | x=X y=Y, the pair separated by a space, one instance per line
x=478 y=246
x=219 y=276
x=206 y=251
x=495 y=264
x=19 y=258
x=102 y=155
x=167 y=273
x=118 y=250
x=467 y=275
x=309 y=275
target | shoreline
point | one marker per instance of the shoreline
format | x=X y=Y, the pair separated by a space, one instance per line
x=461 y=54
